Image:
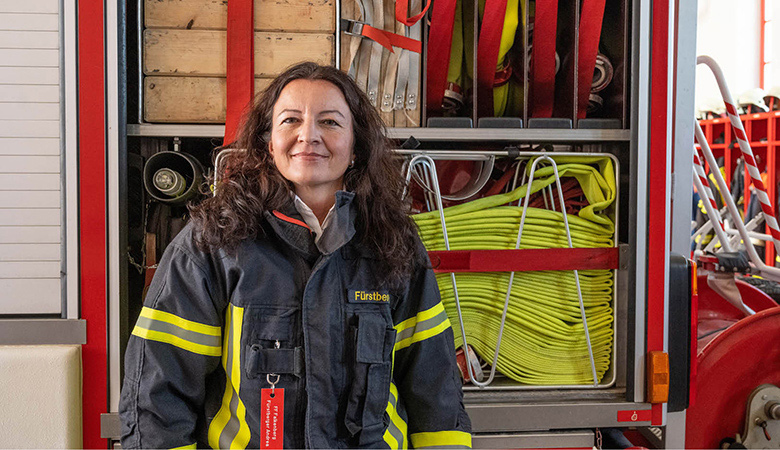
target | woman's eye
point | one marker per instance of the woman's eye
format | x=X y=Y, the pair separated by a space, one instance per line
x=330 y=122
x=290 y=120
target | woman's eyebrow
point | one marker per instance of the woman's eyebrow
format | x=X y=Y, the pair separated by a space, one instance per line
x=289 y=110
x=331 y=111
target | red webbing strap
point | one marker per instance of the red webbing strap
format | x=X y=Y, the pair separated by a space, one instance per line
x=438 y=57
x=543 y=57
x=524 y=260
x=240 y=63
x=591 y=17
x=388 y=40
x=402 y=12
x=487 y=54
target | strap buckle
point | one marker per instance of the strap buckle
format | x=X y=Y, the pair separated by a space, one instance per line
x=352 y=27
x=503 y=75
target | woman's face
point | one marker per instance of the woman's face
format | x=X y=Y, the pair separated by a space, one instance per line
x=311 y=135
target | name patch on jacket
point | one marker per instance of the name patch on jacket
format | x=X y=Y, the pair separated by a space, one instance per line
x=367 y=296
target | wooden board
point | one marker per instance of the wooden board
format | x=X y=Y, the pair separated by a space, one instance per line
x=203 y=52
x=188 y=99
x=270 y=15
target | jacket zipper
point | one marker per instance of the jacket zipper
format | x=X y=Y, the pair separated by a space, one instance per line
x=321 y=260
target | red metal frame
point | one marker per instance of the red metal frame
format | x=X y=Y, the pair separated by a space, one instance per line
x=658 y=168
x=92 y=215
x=763 y=133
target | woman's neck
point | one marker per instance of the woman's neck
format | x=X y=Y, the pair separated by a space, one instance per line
x=319 y=200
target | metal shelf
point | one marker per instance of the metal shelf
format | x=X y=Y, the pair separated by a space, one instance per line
x=423 y=134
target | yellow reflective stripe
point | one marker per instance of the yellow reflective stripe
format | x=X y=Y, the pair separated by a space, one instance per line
x=165 y=327
x=229 y=428
x=421 y=316
x=218 y=423
x=397 y=428
x=242 y=437
x=173 y=319
x=193 y=446
x=396 y=419
x=424 y=325
x=441 y=439
x=391 y=442
x=167 y=338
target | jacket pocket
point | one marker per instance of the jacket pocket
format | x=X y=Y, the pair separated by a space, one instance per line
x=373 y=341
x=270 y=348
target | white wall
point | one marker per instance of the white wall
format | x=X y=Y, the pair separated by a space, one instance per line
x=728 y=31
x=773 y=43
x=30 y=158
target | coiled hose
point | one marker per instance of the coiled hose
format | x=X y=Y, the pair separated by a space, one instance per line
x=544 y=339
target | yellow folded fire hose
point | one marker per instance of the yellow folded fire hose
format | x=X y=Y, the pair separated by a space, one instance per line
x=544 y=339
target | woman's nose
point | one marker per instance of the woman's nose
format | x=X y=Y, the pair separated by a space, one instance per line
x=309 y=131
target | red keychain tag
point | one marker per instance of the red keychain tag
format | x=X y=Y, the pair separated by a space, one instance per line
x=272 y=418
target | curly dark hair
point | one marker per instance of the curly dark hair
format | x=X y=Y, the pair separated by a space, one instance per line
x=254 y=184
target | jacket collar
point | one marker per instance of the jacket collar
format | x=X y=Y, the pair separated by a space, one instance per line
x=290 y=227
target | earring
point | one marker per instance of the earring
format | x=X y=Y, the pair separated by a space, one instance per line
x=352 y=164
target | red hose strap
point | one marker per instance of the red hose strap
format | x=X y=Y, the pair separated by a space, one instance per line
x=402 y=11
x=525 y=260
x=487 y=53
x=240 y=64
x=389 y=40
x=591 y=17
x=543 y=58
x=439 y=45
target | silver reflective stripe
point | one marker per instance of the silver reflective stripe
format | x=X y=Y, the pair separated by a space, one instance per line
x=232 y=426
x=445 y=446
x=392 y=428
x=230 y=431
x=187 y=335
x=420 y=327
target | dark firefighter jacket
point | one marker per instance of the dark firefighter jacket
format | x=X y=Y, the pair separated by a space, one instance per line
x=361 y=365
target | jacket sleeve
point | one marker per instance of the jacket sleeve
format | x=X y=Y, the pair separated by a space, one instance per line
x=425 y=370
x=176 y=343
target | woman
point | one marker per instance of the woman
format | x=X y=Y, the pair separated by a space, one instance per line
x=304 y=279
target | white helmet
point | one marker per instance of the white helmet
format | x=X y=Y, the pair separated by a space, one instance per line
x=752 y=101
x=772 y=98
x=712 y=108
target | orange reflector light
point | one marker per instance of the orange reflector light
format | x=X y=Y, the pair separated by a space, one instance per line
x=657 y=377
x=694 y=280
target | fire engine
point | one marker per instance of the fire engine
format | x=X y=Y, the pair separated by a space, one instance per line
x=102 y=98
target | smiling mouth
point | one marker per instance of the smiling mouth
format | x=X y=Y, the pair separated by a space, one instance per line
x=308 y=156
